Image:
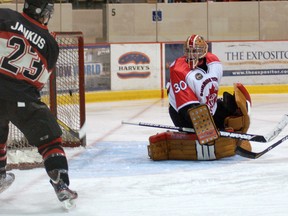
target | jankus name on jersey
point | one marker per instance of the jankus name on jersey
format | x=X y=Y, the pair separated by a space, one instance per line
x=30 y=35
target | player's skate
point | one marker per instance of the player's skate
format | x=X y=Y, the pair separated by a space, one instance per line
x=64 y=194
x=6 y=180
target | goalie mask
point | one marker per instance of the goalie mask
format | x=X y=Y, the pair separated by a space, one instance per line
x=195 y=48
x=40 y=10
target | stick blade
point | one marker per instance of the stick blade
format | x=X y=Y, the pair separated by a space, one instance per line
x=245 y=153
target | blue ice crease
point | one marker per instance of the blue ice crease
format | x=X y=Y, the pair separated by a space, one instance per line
x=131 y=158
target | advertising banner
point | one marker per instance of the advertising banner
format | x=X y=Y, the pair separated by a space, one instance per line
x=253 y=62
x=97 y=67
x=135 y=66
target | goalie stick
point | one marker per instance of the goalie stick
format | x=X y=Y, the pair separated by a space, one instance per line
x=254 y=155
x=77 y=134
x=242 y=136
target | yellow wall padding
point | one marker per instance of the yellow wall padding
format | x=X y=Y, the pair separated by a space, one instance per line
x=101 y=96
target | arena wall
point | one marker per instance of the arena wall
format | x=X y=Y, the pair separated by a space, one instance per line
x=243 y=20
x=148 y=23
x=162 y=22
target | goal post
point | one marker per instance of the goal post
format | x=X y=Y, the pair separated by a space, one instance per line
x=65 y=96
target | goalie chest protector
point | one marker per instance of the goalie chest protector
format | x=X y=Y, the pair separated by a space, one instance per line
x=183 y=146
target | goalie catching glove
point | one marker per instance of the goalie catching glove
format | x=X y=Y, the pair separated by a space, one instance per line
x=240 y=120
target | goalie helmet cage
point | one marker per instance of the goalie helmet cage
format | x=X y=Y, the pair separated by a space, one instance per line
x=64 y=94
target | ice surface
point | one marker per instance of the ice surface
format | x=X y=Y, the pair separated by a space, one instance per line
x=113 y=175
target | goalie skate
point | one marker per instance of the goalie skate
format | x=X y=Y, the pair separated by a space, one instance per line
x=66 y=196
x=6 y=180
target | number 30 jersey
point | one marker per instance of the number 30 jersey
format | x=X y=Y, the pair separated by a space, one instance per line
x=200 y=85
x=28 y=54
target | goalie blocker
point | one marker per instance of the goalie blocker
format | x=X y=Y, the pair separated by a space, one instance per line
x=185 y=146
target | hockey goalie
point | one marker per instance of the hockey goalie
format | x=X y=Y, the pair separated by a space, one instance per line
x=186 y=146
x=193 y=103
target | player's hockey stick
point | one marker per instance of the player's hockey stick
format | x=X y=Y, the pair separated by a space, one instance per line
x=253 y=155
x=277 y=129
x=242 y=136
x=250 y=137
x=77 y=134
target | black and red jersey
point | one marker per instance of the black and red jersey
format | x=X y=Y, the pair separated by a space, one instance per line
x=28 y=54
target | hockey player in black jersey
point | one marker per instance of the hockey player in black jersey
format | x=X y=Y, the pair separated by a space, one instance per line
x=28 y=54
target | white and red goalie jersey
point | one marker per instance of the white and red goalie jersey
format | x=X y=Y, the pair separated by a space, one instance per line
x=199 y=85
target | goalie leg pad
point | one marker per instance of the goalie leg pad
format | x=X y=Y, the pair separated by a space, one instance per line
x=182 y=146
x=225 y=147
x=172 y=146
x=158 y=150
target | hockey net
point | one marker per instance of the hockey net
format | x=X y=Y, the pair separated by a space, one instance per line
x=65 y=96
